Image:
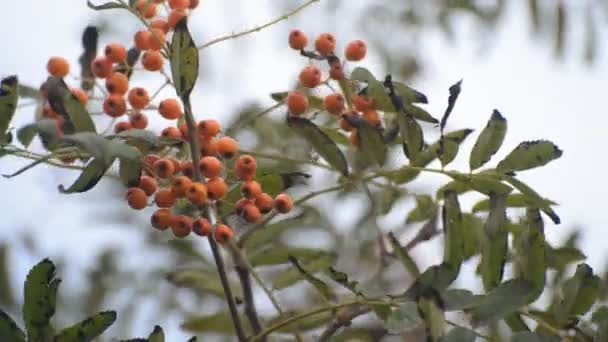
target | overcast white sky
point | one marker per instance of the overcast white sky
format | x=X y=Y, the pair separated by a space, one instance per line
x=541 y=98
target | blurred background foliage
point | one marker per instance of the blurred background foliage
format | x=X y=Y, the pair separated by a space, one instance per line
x=181 y=284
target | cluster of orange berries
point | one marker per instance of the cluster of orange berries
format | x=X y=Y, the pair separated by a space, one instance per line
x=170 y=180
x=311 y=77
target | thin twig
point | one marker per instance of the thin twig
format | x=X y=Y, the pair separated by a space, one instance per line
x=286 y=159
x=342 y=321
x=252 y=118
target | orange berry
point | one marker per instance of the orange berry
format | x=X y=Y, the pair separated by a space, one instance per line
x=170 y=109
x=355 y=50
x=194 y=4
x=157 y=39
x=310 y=76
x=174 y=17
x=297 y=40
x=148 y=185
x=116 y=53
x=208 y=146
x=283 y=203
x=171 y=132
x=179 y=4
x=80 y=95
x=240 y=205
x=161 y=25
x=202 y=227
x=152 y=60
x=137 y=198
x=210 y=167
x=336 y=71
x=179 y=185
x=188 y=169
x=197 y=193
x=150 y=159
x=115 y=105
x=142 y=40
x=297 y=103
x=147 y=8
x=217 y=188
x=251 y=189
x=183 y=128
x=209 y=128
x=362 y=103
x=251 y=213
x=58 y=67
x=353 y=137
x=117 y=83
x=223 y=233
x=138 y=98
x=372 y=117
x=325 y=44
x=48 y=112
x=227 y=147
x=177 y=165
x=264 y=202
x=101 y=67
x=139 y=120
x=164 y=198
x=161 y=219
x=334 y=103
x=181 y=226
x=245 y=167
x=164 y=168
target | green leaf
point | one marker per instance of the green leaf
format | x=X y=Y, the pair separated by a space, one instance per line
x=600 y=318
x=434 y=318
x=157 y=335
x=219 y=323
x=528 y=155
x=184 y=59
x=9 y=331
x=39 y=292
x=371 y=143
x=404 y=257
x=454 y=92
x=324 y=290
x=77 y=118
x=342 y=279
x=503 y=300
x=90 y=40
x=403 y=318
x=9 y=96
x=312 y=322
x=494 y=248
x=453 y=231
x=336 y=136
x=517 y=200
x=314 y=102
x=559 y=258
x=29 y=92
x=381 y=101
x=321 y=143
x=459 y=299
x=89 y=177
x=354 y=335
x=456 y=186
x=473 y=234
x=409 y=94
x=292 y=275
x=129 y=172
x=280 y=255
x=411 y=135
x=530 y=257
x=489 y=141
x=446 y=148
x=534 y=198
x=488 y=185
x=528 y=336
x=400 y=176
x=200 y=280
x=436 y=278
x=362 y=74
x=579 y=293
x=45 y=128
x=105 y=6
x=143 y=139
x=88 y=329
x=459 y=334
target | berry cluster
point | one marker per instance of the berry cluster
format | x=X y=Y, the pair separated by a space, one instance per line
x=311 y=77
x=168 y=179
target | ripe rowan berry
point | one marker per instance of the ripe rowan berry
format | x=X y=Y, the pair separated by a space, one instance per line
x=202 y=227
x=137 y=198
x=227 y=147
x=210 y=167
x=148 y=185
x=179 y=4
x=183 y=128
x=217 y=188
x=325 y=44
x=161 y=25
x=139 y=120
x=141 y=40
x=164 y=168
x=297 y=40
x=171 y=132
x=80 y=95
x=101 y=67
x=240 y=204
x=283 y=203
x=146 y=8
x=310 y=76
x=196 y=193
x=179 y=185
x=251 y=189
x=251 y=213
x=58 y=67
x=174 y=17
x=353 y=137
x=223 y=233
x=177 y=165
x=297 y=103
x=264 y=202
x=149 y=160
x=157 y=39
x=115 y=105
x=117 y=83
x=181 y=226
x=152 y=60
x=336 y=71
x=164 y=198
x=372 y=117
x=188 y=169
x=115 y=53
x=161 y=219
x=355 y=50
x=138 y=98
x=209 y=128
x=334 y=103
x=362 y=103
x=245 y=167
x=208 y=147
x=170 y=109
